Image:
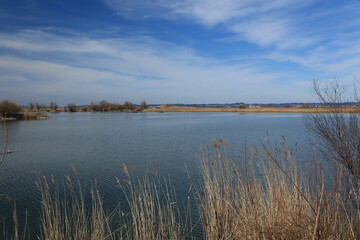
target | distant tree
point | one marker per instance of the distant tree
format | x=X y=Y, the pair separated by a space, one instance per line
x=94 y=106
x=129 y=105
x=53 y=105
x=31 y=105
x=72 y=107
x=9 y=109
x=308 y=105
x=39 y=106
x=104 y=105
x=116 y=107
x=143 y=105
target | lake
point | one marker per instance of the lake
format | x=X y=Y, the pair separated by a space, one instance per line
x=98 y=144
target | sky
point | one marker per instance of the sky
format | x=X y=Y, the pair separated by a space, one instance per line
x=175 y=51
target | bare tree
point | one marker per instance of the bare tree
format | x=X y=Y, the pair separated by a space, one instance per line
x=9 y=109
x=31 y=105
x=129 y=105
x=39 y=106
x=53 y=105
x=143 y=105
x=104 y=105
x=94 y=106
x=336 y=132
x=71 y=107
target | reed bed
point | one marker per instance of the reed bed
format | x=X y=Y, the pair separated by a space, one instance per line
x=66 y=216
x=153 y=211
x=265 y=195
x=270 y=197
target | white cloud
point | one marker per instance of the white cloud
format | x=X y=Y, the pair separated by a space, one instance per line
x=260 y=22
x=263 y=32
x=74 y=68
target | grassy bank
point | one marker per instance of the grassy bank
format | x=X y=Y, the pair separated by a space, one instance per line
x=266 y=194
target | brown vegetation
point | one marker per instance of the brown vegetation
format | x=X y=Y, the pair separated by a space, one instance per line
x=172 y=108
x=337 y=135
x=9 y=109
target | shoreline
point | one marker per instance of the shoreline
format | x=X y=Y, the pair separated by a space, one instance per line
x=162 y=109
x=179 y=109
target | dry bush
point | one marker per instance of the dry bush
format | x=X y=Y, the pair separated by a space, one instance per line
x=337 y=135
x=9 y=109
x=71 y=107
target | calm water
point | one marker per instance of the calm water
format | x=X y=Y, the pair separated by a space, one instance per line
x=98 y=144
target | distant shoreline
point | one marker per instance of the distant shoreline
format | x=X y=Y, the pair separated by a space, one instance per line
x=253 y=110
x=183 y=109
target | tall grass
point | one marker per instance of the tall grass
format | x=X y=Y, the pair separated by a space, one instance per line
x=154 y=209
x=267 y=195
x=153 y=214
x=270 y=197
x=63 y=218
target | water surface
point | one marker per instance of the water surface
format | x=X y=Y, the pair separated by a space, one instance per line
x=98 y=144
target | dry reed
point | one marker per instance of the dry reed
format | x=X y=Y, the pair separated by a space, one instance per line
x=153 y=208
x=270 y=197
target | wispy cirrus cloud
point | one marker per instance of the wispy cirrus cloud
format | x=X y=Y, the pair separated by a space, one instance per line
x=260 y=22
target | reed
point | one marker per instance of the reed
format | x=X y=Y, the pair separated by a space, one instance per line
x=154 y=209
x=66 y=216
x=270 y=197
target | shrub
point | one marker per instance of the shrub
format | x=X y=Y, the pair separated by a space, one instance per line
x=72 y=107
x=336 y=135
x=9 y=109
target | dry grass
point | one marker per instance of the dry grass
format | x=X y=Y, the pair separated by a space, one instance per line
x=153 y=209
x=269 y=197
x=63 y=218
x=154 y=213
x=170 y=108
x=34 y=116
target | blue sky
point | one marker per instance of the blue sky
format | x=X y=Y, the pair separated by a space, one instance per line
x=172 y=51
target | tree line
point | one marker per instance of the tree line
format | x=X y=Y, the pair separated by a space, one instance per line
x=102 y=106
x=11 y=109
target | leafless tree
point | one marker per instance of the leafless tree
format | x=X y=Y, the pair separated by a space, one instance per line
x=336 y=132
x=94 y=106
x=40 y=106
x=129 y=105
x=31 y=105
x=72 y=107
x=53 y=105
x=143 y=105
x=104 y=105
x=9 y=109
